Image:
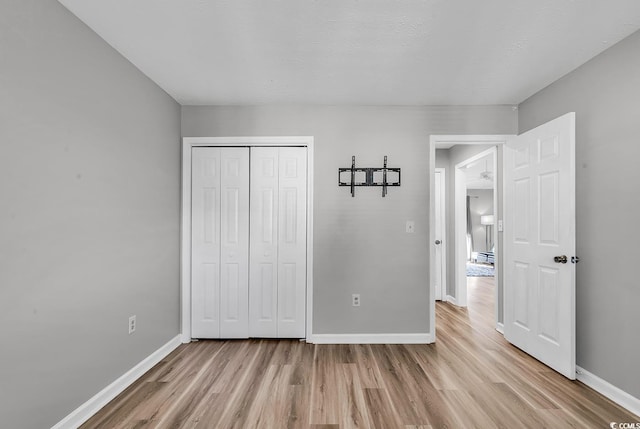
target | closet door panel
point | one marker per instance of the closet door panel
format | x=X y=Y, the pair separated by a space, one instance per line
x=205 y=239
x=263 y=276
x=249 y=242
x=234 y=243
x=292 y=242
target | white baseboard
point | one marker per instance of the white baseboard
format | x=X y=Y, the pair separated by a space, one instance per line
x=426 y=338
x=102 y=398
x=451 y=299
x=607 y=389
x=500 y=327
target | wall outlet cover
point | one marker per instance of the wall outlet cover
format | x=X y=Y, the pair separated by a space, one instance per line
x=410 y=227
x=132 y=324
x=355 y=300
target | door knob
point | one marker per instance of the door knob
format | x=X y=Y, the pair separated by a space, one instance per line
x=560 y=259
x=438 y=241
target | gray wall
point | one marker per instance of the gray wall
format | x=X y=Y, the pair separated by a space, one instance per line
x=89 y=214
x=360 y=243
x=604 y=93
x=442 y=160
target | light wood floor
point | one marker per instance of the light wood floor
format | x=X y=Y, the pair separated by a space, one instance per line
x=471 y=378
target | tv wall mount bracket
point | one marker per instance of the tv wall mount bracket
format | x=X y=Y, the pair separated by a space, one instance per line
x=368 y=176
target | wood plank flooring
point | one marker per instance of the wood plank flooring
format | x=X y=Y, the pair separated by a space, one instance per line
x=470 y=378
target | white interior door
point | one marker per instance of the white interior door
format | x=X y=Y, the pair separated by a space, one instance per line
x=292 y=242
x=263 y=278
x=205 y=242
x=278 y=242
x=220 y=240
x=539 y=171
x=440 y=268
x=234 y=254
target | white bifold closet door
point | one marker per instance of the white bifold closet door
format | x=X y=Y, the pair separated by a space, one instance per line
x=278 y=242
x=220 y=242
x=248 y=235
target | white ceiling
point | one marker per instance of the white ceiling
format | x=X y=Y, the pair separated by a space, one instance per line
x=377 y=52
x=473 y=173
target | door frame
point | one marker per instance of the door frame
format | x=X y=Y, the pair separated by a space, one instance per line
x=448 y=141
x=443 y=215
x=185 y=230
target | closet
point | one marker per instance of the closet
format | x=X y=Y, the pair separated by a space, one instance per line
x=248 y=238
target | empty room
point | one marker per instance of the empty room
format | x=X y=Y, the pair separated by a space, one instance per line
x=319 y=214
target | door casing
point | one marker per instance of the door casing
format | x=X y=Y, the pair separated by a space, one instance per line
x=185 y=231
x=442 y=292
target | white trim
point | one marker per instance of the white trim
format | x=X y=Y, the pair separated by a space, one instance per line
x=425 y=338
x=452 y=300
x=432 y=237
x=310 y=175
x=185 y=240
x=500 y=327
x=102 y=398
x=443 y=215
x=185 y=246
x=498 y=249
x=455 y=139
x=460 y=235
x=607 y=389
x=249 y=141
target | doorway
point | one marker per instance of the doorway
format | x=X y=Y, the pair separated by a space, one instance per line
x=538 y=306
x=469 y=155
x=474 y=230
x=477 y=215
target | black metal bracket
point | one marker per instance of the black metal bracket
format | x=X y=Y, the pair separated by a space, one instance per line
x=369 y=178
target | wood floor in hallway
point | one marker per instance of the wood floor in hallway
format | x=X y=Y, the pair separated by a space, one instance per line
x=470 y=378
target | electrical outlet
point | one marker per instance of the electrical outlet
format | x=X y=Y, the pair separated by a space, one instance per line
x=355 y=300
x=132 y=324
